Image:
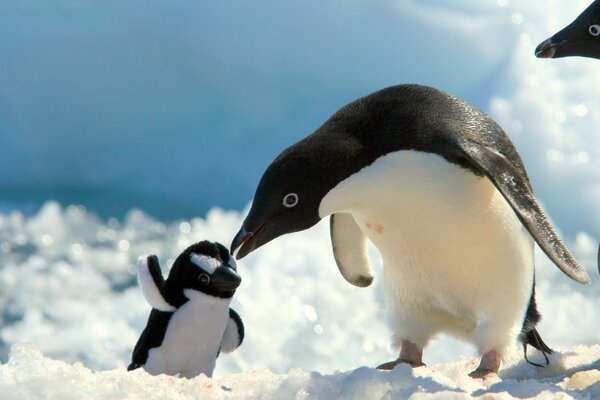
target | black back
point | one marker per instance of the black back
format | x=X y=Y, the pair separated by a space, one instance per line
x=152 y=336
x=403 y=117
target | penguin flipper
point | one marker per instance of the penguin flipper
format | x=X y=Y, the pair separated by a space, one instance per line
x=350 y=250
x=152 y=283
x=234 y=333
x=511 y=181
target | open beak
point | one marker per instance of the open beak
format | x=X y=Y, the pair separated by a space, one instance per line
x=245 y=242
x=547 y=49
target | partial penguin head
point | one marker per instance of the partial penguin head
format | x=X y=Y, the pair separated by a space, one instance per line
x=206 y=267
x=287 y=198
x=580 y=38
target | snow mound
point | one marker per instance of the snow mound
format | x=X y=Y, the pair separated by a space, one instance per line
x=30 y=375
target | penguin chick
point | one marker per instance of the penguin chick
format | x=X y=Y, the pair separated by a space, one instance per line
x=190 y=321
x=580 y=38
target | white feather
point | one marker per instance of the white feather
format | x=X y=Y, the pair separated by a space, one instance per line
x=456 y=257
x=206 y=263
x=149 y=289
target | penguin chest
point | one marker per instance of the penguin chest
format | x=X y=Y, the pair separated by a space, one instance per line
x=450 y=242
x=192 y=339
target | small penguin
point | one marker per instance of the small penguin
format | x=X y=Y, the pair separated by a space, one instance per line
x=580 y=38
x=190 y=321
x=441 y=191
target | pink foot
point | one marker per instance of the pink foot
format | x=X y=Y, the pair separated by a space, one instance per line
x=488 y=367
x=410 y=354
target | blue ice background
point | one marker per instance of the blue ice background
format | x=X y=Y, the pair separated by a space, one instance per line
x=175 y=107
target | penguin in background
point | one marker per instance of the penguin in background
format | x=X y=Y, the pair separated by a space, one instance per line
x=441 y=191
x=190 y=322
x=580 y=38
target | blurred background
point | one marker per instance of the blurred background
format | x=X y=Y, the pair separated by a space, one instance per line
x=176 y=108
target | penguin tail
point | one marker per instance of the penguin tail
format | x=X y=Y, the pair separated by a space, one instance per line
x=534 y=339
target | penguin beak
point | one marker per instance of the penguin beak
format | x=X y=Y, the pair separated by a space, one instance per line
x=547 y=49
x=226 y=278
x=245 y=242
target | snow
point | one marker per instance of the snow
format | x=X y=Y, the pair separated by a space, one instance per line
x=136 y=103
x=69 y=288
x=30 y=375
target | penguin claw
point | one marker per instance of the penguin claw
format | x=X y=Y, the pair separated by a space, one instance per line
x=390 y=365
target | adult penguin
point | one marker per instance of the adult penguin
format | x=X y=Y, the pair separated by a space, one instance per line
x=580 y=38
x=441 y=191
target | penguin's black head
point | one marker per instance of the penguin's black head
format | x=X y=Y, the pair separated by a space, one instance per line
x=580 y=38
x=206 y=267
x=288 y=196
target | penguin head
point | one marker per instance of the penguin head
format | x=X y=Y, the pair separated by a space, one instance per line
x=580 y=38
x=206 y=267
x=288 y=196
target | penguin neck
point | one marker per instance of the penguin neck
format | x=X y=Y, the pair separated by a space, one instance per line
x=197 y=296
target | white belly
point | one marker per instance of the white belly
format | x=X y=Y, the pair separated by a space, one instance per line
x=192 y=340
x=456 y=257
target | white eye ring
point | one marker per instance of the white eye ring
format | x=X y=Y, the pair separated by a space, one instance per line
x=594 y=30
x=290 y=200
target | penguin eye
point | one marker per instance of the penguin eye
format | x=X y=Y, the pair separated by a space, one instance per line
x=290 y=200
x=204 y=279
x=594 y=30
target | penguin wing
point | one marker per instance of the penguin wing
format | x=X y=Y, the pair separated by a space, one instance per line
x=234 y=333
x=512 y=182
x=350 y=250
x=152 y=282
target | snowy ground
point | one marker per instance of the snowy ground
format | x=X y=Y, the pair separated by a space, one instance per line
x=68 y=286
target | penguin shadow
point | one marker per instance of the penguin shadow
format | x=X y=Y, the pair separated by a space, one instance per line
x=517 y=379
x=399 y=381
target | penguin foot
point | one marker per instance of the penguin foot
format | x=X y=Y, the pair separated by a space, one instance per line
x=410 y=354
x=488 y=367
x=483 y=373
x=390 y=365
